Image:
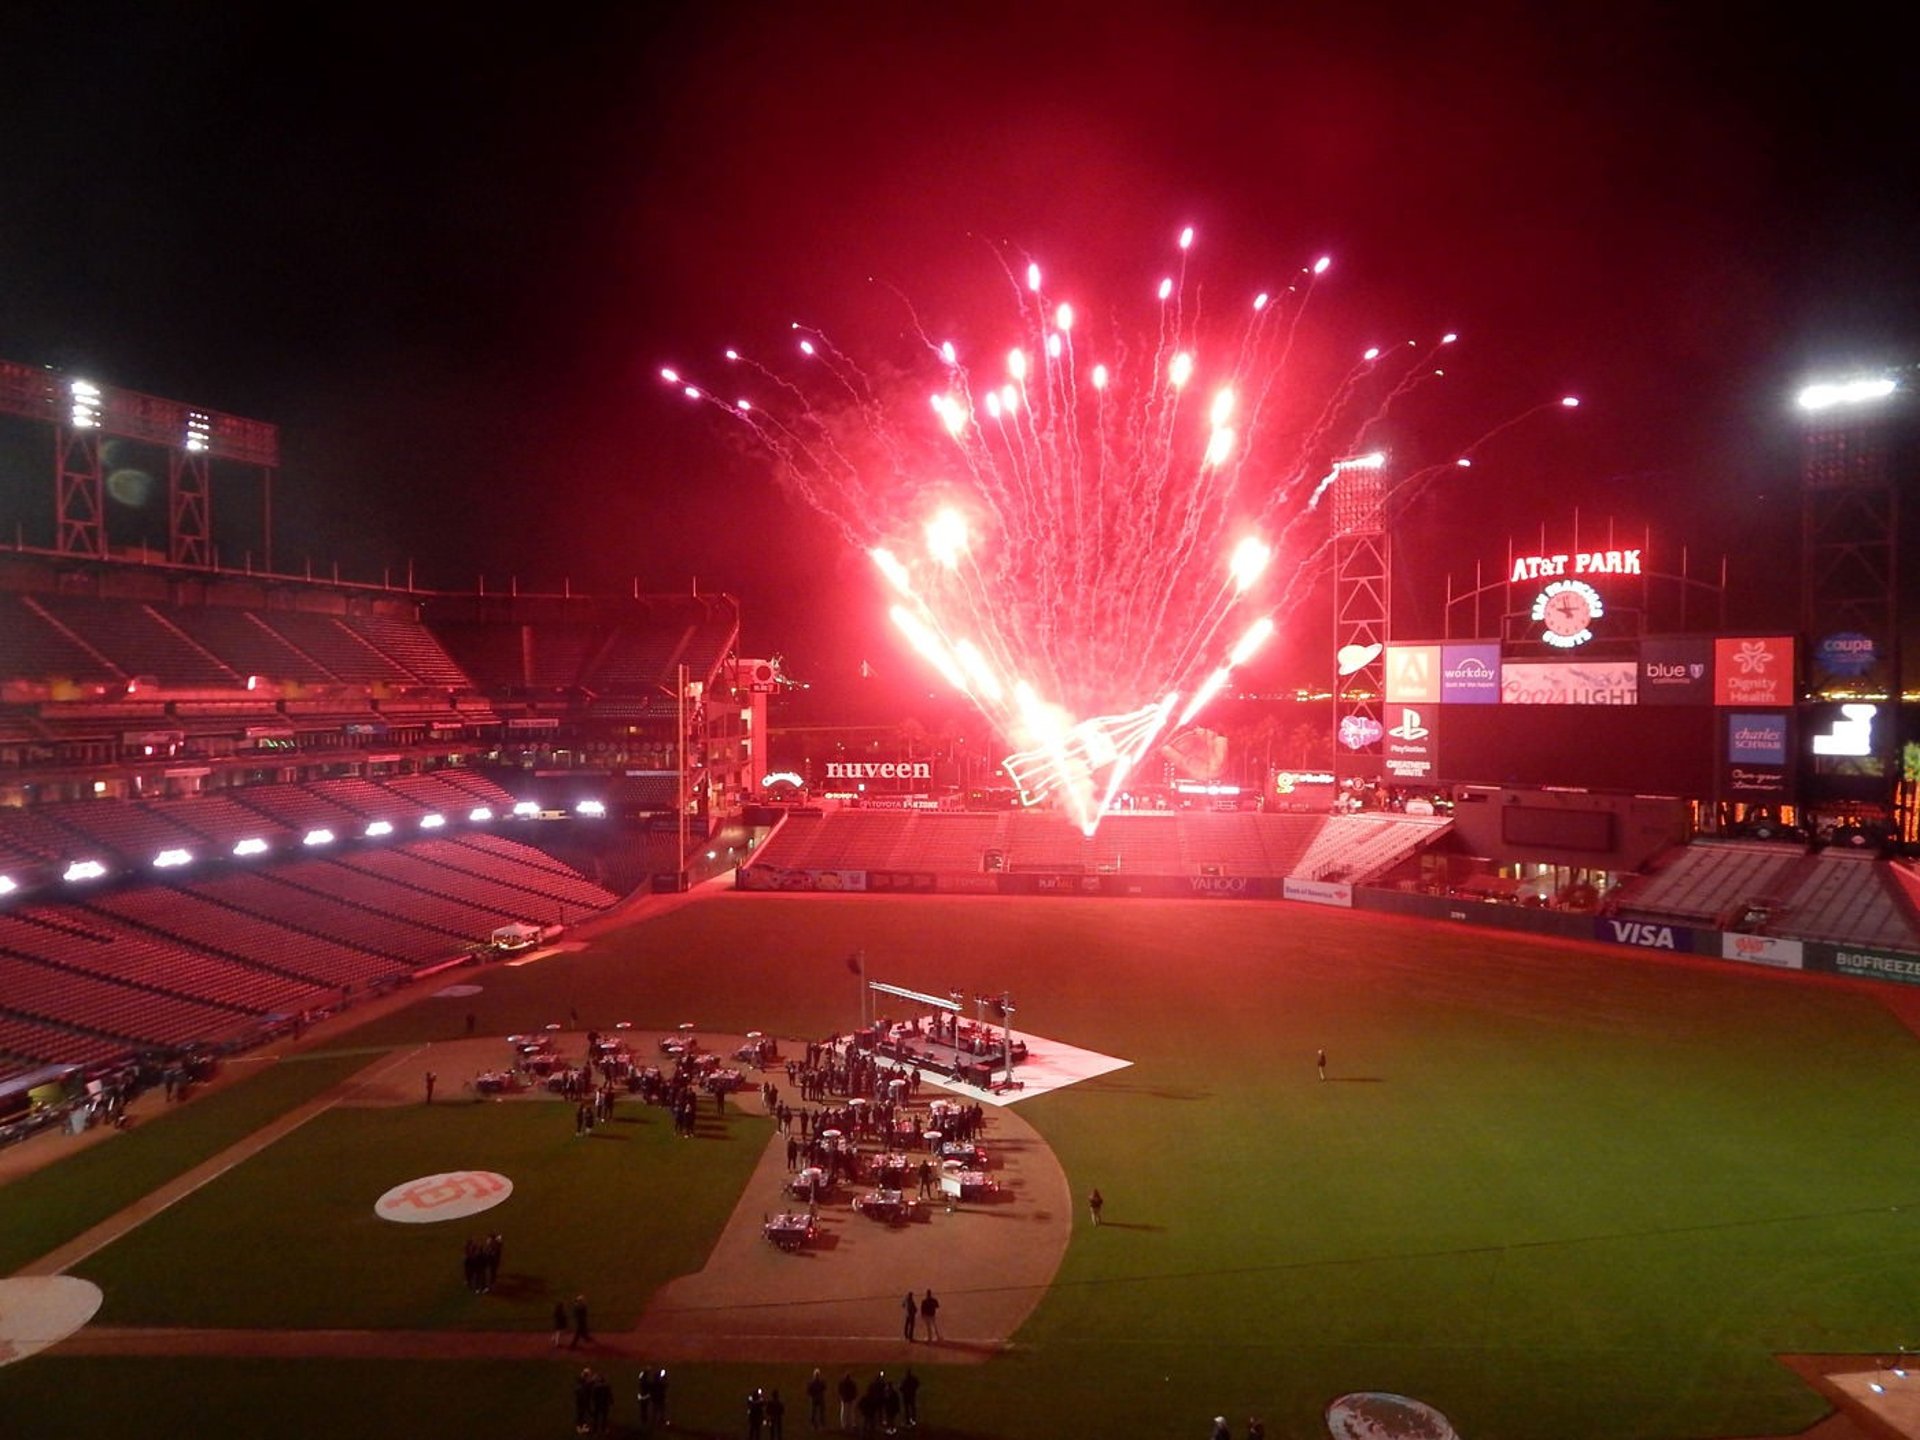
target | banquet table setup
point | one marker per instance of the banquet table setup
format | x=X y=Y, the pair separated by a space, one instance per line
x=968 y=1185
x=812 y=1183
x=790 y=1229
x=891 y=1206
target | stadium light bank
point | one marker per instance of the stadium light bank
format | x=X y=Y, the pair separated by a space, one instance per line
x=1833 y=394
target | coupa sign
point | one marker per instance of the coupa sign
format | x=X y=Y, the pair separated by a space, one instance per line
x=1645 y=935
x=879 y=770
x=1847 y=654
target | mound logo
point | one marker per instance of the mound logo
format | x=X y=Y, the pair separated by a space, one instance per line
x=1645 y=935
x=449 y=1196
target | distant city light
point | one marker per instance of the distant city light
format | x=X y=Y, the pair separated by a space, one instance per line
x=1827 y=394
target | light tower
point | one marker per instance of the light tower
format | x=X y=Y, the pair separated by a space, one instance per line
x=1361 y=595
x=1850 y=610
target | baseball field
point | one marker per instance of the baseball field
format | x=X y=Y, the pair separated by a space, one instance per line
x=1549 y=1189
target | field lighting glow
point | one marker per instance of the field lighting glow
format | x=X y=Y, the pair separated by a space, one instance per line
x=432 y=822
x=317 y=837
x=379 y=828
x=480 y=814
x=172 y=859
x=84 y=870
x=253 y=845
x=593 y=809
x=526 y=808
x=1826 y=395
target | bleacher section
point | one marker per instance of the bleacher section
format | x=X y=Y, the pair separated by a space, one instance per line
x=1843 y=897
x=1359 y=848
x=1704 y=882
x=1151 y=843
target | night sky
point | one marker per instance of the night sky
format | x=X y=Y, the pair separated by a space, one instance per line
x=447 y=250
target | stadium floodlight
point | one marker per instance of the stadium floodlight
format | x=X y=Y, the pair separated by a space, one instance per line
x=1861 y=390
x=7 y=885
x=251 y=846
x=199 y=434
x=85 y=411
x=479 y=814
x=593 y=808
x=171 y=859
x=317 y=837
x=433 y=821
x=526 y=808
x=379 y=828
x=84 y=870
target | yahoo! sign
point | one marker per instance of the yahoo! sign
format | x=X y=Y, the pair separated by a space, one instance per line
x=879 y=770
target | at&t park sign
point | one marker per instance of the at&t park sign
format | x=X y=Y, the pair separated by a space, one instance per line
x=1580 y=562
x=879 y=770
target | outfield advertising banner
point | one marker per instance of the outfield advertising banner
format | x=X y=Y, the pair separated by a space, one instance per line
x=1757 y=750
x=1411 y=748
x=1676 y=670
x=1764 y=950
x=1755 y=670
x=1470 y=674
x=1413 y=674
x=1874 y=965
x=778 y=877
x=1644 y=935
x=1589 y=682
x=1318 y=892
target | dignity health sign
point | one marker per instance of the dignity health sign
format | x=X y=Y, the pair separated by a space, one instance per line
x=1753 y=670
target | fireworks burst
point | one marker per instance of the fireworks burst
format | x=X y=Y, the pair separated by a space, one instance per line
x=1081 y=538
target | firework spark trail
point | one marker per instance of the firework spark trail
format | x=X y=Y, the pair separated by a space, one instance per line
x=1080 y=565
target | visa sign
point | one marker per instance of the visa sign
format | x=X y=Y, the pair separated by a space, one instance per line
x=1645 y=935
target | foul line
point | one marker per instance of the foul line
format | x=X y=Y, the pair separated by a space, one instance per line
x=97 y=1237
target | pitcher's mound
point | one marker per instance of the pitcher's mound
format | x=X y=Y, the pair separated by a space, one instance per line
x=41 y=1310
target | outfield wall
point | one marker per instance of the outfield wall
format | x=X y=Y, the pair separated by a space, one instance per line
x=1658 y=937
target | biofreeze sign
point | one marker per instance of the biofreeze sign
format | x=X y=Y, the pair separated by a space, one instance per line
x=879 y=770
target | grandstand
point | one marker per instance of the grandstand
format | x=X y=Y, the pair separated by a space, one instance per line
x=230 y=799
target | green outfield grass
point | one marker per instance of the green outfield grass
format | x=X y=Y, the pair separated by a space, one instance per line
x=1554 y=1190
x=42 y=1211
